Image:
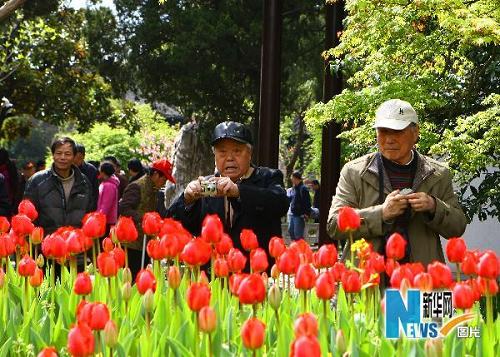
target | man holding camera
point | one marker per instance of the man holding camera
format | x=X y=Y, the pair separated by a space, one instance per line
x=241 y=194
x=397 y=189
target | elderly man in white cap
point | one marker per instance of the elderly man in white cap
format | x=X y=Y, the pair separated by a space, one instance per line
x=397 y=189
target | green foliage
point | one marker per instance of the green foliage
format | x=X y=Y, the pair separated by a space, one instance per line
x=441 y=56
x=103 y=140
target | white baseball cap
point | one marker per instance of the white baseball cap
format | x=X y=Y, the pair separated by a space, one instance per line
x=395 y=114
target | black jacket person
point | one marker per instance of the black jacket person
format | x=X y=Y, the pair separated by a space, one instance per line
x=247 y=196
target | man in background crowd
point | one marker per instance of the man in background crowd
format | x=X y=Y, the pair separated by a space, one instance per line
x=87 y=169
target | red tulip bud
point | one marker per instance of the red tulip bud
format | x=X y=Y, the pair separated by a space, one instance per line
x=276 y=247
x=224 y=245
x=248 y=239
x=198 y=296
x=37 y=235
x=305 y=278
x=106 y=264
x=395 y=247
x=236 y=260
x=22 y=225
x=221 y=268
x=151 y=223
x=306 y=325
x=253 y=333
x=488 y=265
x=325 y=286
x=37 y=278
x=145 y=281
x=258 y=260
x=207 y=320
x=455 y=250
x=83 y=284
x=27 y=208
x=4 y=224
x=348 y=219
x=463 y=297
x=351 y=281
x=441 y=275
x=305 y=346
x=94 y=224
x=212 y=229
x=252 y=290
x=125 y=230
x=48 y=352
x=81 y=340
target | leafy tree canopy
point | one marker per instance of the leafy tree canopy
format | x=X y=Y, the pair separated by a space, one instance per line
x=443 y=57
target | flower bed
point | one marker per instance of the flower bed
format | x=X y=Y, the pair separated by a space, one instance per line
x=311 y=305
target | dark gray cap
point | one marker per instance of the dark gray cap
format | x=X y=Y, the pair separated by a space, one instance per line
x=232 y=130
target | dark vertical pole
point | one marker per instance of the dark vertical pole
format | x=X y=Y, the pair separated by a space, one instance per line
x=330 y=151
x=270 y=81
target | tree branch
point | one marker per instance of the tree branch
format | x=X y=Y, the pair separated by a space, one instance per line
x=9 y=7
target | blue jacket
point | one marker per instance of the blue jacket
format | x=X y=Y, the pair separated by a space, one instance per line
x=300 y=200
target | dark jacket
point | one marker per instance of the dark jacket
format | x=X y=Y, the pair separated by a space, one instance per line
x=92 y=173
x=300 y=203
x=46 y=192
x=139 y=197
x=5 y=208
x=261 y=205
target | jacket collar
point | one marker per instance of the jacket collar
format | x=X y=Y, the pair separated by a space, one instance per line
x=424 y=170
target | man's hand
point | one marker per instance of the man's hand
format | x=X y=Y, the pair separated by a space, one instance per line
x=394 y=205
x=422 y=202
x=226 y=187
x=193 y=190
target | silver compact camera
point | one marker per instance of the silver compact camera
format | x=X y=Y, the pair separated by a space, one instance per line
x=208 y=188
x=405 y=191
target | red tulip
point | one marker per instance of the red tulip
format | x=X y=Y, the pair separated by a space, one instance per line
x=95 y=315
x=253 y=333
x=441 y=275
x=305 y=346
x=48 y=352
x=351 y=281
x=94 y=224
x=235 y=281
x=248 y=240
x=327 y=256
x=37 y=235
x=198 y=296
x=370 y=276
x=303 y=249
x=54 y=246
x=455 y=250
x=7 y=246
x=276 y=247
x=224 y=245
x=305 y=277
x=81 y=341
x=4 y=224
x=170 y=245
x=252 y=290
x=221 y=268
x=395 y=247
x=151 y=223
x=37 y=278
x=207 y=319
x=476 y=290
x=22 y=225
x=416 y=268
x=487 y=287
x=463 y=297
x=83 y=284
x=145 y=280
x=338 y=270
x=106 y=264
x=348 y=219
x=27 y=208
x=399 y=274
x=325 y=286
x=258 y=260
x=488 y=265
x=469 y=263
x=119 y=255
x=236 y=260
x=155 y=250
x=196 y=252
x=390 y=266
x=125 y=230
x=75 y=242
x=376 y=262
x=306 y=325
x=107 y=244
x=289 y=262
x=26 y=266
x=174 y=277
x=423 y=281
x=212 y=229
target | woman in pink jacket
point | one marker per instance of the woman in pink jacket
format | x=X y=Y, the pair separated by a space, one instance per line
x=107 y=202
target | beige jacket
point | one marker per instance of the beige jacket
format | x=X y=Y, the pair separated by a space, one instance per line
x=358 y=187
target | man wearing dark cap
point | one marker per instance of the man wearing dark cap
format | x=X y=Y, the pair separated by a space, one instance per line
x=139 y=197
x=300 y=206
x=243 y=195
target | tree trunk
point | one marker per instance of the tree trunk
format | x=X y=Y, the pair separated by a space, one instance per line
x=297 y=148
x=9 y=7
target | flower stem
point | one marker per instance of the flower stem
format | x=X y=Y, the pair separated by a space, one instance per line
x=196 y=335
x=350 y=247
x=26 y=294
x=458 y=272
